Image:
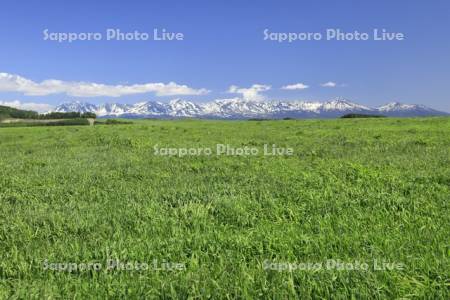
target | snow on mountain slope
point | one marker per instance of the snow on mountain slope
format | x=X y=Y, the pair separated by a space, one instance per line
x=112 y=109
x=149 y=108
x=306 y=106
x=181 y=108
x=396 y=106
x=401 y=109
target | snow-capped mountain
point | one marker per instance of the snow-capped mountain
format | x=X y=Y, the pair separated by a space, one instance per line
x=76 y=106
x=401 y=109
x=235 y=108
x=181 y=108
x=242 y=109
x=341 y=104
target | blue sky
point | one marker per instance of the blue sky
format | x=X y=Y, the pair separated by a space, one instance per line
x=223 y=47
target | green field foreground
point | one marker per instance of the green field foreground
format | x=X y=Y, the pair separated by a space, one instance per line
x=356 y=191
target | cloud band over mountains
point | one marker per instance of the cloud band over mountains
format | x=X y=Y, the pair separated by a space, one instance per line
x=16 y=83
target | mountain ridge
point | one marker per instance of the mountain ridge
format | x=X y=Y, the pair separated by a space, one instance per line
x=236 y=108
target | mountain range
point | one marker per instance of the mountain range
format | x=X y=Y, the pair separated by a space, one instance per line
x=243 y=109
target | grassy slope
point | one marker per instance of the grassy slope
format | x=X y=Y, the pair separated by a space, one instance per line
x=355 y=190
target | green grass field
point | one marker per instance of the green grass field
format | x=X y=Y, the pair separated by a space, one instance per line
x=355 y=191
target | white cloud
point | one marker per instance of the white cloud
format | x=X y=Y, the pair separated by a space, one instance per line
x=16 y=83
x=330 y=84
x=252 y=93
x=296 y=86
x=39 y=107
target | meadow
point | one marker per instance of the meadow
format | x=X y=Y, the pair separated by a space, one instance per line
x=355 y=192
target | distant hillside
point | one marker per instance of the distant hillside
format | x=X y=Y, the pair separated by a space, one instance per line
x=9 y=112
